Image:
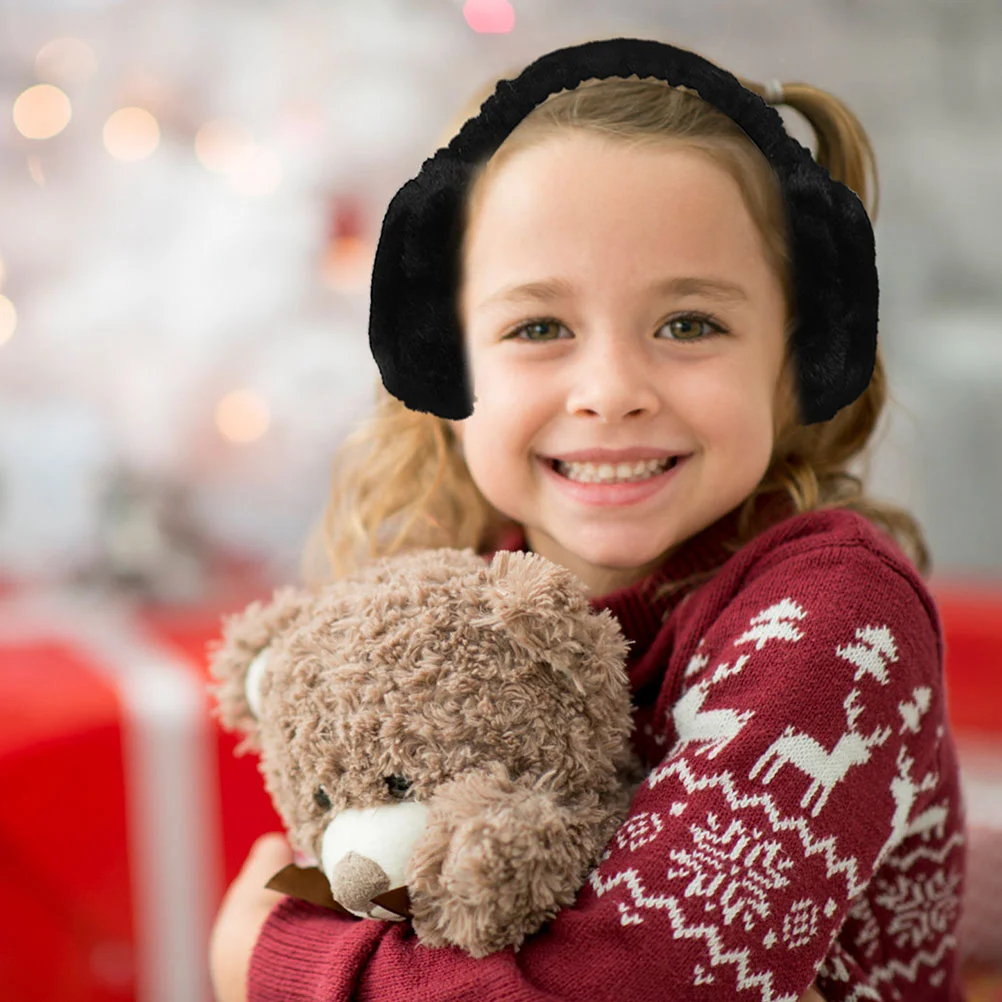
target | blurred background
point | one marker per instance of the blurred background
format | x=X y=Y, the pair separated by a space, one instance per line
x=190 y=196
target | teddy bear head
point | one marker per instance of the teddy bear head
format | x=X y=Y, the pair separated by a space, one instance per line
x=430 y=690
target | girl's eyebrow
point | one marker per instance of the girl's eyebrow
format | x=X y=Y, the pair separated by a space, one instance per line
x=547 y=290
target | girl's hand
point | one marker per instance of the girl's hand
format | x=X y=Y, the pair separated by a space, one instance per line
x=242 y=915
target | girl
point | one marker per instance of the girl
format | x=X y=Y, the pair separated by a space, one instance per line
x=626 y=301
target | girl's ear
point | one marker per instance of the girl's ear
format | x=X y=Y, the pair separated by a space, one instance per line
x=240 y=659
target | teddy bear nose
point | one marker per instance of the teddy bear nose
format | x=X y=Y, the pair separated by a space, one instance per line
x=356 y=880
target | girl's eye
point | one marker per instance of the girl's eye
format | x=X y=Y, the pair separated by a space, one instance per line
x=699 y=318
x=533 y=325
x=683 y=318
x=321 y=799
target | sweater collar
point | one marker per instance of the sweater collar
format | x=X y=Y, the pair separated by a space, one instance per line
x=640 y=613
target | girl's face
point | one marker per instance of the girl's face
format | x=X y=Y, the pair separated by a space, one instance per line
x=575 y=342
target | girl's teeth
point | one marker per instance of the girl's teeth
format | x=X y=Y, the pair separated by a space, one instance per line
x=606 y=473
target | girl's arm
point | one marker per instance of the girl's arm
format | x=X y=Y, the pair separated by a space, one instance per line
x=245 y=910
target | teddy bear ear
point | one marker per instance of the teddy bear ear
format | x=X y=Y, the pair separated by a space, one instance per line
x=252 y=682
x=543 y=608
x=239 y=660
x=524 y=579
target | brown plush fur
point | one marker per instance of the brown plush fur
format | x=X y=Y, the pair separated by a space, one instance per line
x=493 y=688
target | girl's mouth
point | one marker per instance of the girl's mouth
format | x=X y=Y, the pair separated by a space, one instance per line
x=612 y=493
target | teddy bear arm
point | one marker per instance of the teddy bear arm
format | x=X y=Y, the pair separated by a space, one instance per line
x=499 y=858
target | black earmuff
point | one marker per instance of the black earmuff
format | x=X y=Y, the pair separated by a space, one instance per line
x=414 y=329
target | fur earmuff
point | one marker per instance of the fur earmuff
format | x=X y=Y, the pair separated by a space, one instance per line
x=414 y=329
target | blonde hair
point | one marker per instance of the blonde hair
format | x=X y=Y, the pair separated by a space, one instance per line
x=399 y=480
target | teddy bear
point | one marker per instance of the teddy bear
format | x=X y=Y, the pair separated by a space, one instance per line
x=445 y=738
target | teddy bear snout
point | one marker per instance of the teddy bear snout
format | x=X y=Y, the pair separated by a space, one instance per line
x=365 y=851
x=356 y=880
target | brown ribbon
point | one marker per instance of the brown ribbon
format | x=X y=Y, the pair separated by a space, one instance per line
x=309 y=883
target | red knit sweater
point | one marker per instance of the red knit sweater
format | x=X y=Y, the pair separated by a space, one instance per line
x=802 y=817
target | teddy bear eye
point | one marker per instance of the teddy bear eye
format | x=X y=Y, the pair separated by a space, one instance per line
x=397 y=786
x=321 y=799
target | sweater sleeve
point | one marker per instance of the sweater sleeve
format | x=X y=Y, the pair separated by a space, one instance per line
x=801 y=706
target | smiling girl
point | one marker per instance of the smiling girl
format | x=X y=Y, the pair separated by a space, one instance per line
x=627 y=297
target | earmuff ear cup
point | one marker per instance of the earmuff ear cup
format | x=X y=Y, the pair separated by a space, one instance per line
x=832 y=246
x=414 y=329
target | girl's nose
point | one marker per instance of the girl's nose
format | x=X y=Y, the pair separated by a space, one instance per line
x=614 y=382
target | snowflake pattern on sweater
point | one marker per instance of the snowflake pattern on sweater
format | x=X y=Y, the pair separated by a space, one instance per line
x=801 y=817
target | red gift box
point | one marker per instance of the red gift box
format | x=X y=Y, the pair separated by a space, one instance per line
x=124 y=813
x=972 y=624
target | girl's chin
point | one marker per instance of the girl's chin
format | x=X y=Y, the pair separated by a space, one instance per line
x=609 y=550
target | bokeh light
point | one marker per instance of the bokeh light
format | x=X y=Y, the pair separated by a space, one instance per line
x=131 y=134
x=35 y=171
x=65 y=61
x=219 y=145
x=489 y=16
x=41 y=112
x=347 y=264
x=242 y=416
x=8 y=319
